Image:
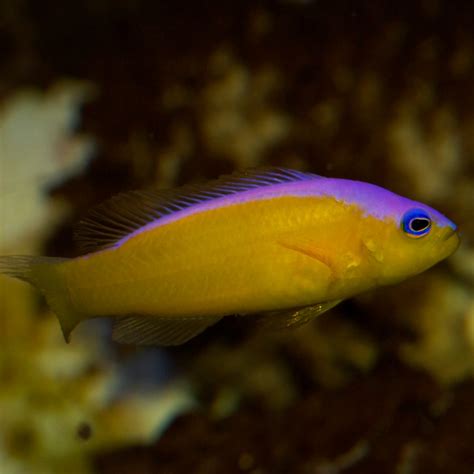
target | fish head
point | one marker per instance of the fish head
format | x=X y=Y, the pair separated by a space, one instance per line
x=410 y=238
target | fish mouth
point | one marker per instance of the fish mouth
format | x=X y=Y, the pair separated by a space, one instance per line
x=450 y=232
x=451 y=242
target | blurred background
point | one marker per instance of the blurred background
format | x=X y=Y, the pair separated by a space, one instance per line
x=99 y=96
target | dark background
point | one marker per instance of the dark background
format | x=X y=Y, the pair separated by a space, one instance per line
x=318 y=85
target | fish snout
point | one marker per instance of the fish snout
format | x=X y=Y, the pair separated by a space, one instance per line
x=450 y=232
x=450 y=242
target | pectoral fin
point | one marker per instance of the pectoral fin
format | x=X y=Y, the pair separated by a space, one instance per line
x=295 y=317
x=151 y=330
x=307 y=247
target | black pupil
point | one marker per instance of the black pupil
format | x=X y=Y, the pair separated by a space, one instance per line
x=419 y=224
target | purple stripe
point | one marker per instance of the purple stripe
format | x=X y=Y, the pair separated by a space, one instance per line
x=373 y=200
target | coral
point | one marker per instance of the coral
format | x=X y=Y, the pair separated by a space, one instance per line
x=443 y=316
x=239 y=122
x=37 y=151
x=58 y=403
x=328 y=352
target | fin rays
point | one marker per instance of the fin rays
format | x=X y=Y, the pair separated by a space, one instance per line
x=294 y=318
x=125 y=213
x=150 y=330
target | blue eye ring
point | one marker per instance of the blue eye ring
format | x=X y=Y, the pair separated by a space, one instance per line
x=416 y=223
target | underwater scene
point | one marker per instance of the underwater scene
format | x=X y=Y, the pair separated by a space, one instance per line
x=248 y=229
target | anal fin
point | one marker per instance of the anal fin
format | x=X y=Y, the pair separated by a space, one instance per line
x=159 y=331
x=295 y=317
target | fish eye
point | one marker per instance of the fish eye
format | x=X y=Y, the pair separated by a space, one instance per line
x=416 y=223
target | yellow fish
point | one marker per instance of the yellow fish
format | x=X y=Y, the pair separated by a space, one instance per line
x=167 y=264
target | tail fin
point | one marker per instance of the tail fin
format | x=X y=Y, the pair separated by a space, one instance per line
x=45 y=274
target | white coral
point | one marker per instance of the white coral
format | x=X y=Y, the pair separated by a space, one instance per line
x=48 y=389
x=37 y=150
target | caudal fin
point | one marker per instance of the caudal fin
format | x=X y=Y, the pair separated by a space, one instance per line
x=45 y=274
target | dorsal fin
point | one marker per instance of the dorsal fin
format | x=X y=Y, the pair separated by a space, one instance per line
x=125 y=213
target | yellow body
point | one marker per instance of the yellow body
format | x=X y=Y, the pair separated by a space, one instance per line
x=262 y=255
x=168 y=264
